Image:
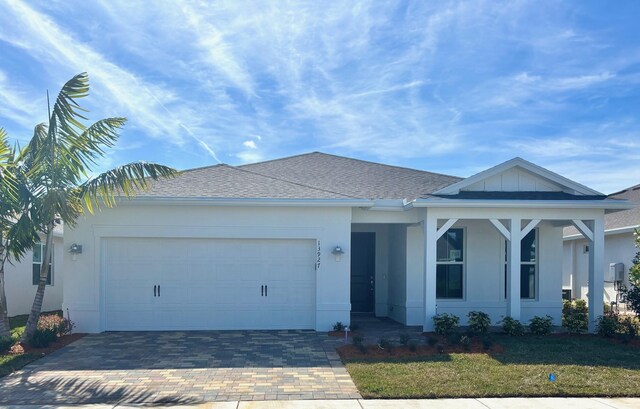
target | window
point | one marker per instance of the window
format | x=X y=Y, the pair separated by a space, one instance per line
x=528 y=267
x=38 y=253
x=450 y=264
x=585 y=249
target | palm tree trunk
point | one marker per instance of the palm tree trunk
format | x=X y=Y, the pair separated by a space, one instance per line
x=5 y=329
x=36 y=308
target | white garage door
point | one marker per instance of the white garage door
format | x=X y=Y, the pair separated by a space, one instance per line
x=190 y=284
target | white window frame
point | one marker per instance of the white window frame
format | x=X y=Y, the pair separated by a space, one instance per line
x=527 y=263
x=463 y=263
x=39 y=263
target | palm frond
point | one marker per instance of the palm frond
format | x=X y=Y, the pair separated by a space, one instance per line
x=127 y=180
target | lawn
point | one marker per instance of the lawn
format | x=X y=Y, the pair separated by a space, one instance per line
x=10 y=363
x=583 y=366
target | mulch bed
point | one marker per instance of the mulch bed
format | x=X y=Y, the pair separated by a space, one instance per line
x=24 y=348
x=442 y=347
x=340 y=334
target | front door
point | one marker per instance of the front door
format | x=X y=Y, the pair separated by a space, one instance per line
x=363 y=271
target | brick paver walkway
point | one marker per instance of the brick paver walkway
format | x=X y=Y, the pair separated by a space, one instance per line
x=184 y=367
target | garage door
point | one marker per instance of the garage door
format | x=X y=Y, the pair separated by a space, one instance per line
x=190 y=284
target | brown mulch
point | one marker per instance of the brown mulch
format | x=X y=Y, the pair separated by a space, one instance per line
x=375 y=351
x=24 y=348
x=340 y=334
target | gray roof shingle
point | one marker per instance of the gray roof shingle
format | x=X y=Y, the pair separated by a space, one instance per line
x=625 y=218
x=353 y=177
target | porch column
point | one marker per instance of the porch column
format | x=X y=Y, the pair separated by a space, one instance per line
x=430 y=229
x=513 y=269
x=595 y=235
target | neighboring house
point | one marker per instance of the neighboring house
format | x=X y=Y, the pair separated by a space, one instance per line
x=305 y=241
x=22 y=279
x=618 y=248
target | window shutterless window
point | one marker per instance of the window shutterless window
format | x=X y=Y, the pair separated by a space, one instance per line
x=450 y=265
x=38 y=253
x=528 y=265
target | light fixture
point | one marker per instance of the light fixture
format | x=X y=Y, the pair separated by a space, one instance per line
x=75 y=249
x=337 y=252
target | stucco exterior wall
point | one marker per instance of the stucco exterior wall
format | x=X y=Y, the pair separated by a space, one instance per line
x=331 y=226
x=19 y=283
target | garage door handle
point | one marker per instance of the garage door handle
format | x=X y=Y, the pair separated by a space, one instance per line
x=266 y=289
x=154 y=290
x=158 y=290
x=262 y=291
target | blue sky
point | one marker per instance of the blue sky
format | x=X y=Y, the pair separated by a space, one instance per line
x=452 y=87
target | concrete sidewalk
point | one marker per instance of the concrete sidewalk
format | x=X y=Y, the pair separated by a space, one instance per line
x=488 y=403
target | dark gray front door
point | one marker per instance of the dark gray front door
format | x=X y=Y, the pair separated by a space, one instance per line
x=363 y=271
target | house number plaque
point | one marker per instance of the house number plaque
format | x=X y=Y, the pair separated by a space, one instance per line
x=318 y=253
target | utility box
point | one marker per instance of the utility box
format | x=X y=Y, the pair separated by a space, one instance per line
x=615 y=273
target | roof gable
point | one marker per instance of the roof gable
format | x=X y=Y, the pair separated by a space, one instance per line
x=517 y=175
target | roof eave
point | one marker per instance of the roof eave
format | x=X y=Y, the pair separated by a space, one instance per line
x=216 y=201
x=576 y=204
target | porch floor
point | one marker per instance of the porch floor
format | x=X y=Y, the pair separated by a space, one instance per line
x=374 y=328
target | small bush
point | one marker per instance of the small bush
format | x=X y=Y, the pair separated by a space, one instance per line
x=575 y=316
x=479 y=322
x=413 y=346
x=608 y=324
x=354 y=327
x=541 y=325
x=453 y=339
x=440 y=348
x=42 y=338
x=338 y=326
x=358 y=342
x=432 y=341
x=512 y=327
x=5 y=344
x=445 y=324
x=404 y=339
x=628 y=328
x=385 y=344
x=61 y=325
x=465 y=341
x=487 y=343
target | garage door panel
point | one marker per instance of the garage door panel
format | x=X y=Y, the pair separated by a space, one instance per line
x=208 y=284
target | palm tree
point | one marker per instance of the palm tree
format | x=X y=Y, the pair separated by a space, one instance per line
x=59 y=159
x=17 y=232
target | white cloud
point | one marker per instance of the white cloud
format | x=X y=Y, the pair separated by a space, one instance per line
x=249 y=144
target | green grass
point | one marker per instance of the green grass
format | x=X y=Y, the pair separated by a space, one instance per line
x=584 y=366
x=11 y=363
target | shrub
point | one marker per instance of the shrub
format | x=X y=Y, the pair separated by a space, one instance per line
x=541 y=325
x=61 y=325
x=465 y=341
x=404 y=339
x=487 y=343
x=453 y=338
x=413 y=346
x=42 y=338
x=385 y=344
x=354 y=327
x=512 y=327
x=445 y=324
x=575 y=316
x=479 y=322
x=5 y=344
x=628 y=328
x=358 y=342
x=432 y=341
x=338 y=326
x=608 y=324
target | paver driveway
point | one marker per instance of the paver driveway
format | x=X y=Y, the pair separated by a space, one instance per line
x=184 y=367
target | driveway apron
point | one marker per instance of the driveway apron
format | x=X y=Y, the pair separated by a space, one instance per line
x=184 y=367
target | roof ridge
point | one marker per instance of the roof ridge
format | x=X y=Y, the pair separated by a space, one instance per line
x=293 y=183
x=205 y=167
x=630 y=188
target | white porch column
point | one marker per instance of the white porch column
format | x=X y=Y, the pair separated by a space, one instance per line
x=513 y=270
x=596 y=273
x=430 y=226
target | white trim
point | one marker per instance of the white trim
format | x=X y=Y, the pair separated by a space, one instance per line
x=583 y=228
x=532 y=224
x=533 y=168
x=501 y=228
x=446 y=226
x=617 y=230
x=533 y=204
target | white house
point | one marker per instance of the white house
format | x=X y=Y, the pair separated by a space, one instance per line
x=21 y=279
x=305 y=241
x=619 y=249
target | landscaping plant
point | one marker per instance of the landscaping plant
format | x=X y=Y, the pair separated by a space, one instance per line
x=608 y=325
x=445 y=324
x=479 y=322
x=5 y=344
x=338 y=326
x=631 y=294
x=575 y=316
x=358 y=342
x=541 y=325
x=404 y=338
x=512 y=327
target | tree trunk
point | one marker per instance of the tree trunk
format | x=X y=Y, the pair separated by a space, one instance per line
x=36 y=308
x=5 y=329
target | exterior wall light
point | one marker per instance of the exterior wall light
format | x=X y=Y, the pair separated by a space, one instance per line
x=337 y=252
x=75 y=249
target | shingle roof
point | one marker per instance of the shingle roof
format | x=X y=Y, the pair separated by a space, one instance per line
x=353 y=177
x=625 y=218
x=224 y=181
